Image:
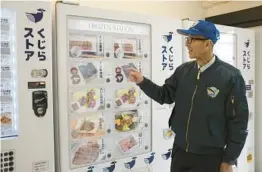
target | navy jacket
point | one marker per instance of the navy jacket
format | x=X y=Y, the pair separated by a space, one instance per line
x=210 y=115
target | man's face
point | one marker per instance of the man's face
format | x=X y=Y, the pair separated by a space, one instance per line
x=196 y=46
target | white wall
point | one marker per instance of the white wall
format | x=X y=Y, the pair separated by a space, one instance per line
x=175 y=9
x=258 y=107
x=230 y=7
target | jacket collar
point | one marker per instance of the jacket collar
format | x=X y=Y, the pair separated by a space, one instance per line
x=206 y=66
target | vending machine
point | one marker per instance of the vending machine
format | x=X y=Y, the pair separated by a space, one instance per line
x=27 y=137
x=237 y=47
x=105 y=122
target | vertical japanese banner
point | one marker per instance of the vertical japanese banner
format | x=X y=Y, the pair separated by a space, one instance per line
x=246 y=57
x=167 y=59
x=35 y=35
x=167 y=52
x=170 y=52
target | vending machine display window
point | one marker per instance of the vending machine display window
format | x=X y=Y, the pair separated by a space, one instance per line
x=9 y=89
x=109 y=117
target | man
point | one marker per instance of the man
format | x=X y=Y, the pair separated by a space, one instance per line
x=210 y=116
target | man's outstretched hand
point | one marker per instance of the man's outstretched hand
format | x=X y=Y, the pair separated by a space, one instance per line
x=135 y=76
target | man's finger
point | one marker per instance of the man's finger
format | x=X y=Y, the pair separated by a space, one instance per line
x=132 y=70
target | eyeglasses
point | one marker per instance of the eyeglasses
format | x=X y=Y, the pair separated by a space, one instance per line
x=190 y=39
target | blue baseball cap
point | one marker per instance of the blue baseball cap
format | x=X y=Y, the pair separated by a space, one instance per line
x=202 y=28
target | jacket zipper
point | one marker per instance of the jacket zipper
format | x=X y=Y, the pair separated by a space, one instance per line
x=189 y=117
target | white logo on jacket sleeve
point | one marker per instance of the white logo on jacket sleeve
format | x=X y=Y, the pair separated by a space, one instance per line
x=212 y=91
